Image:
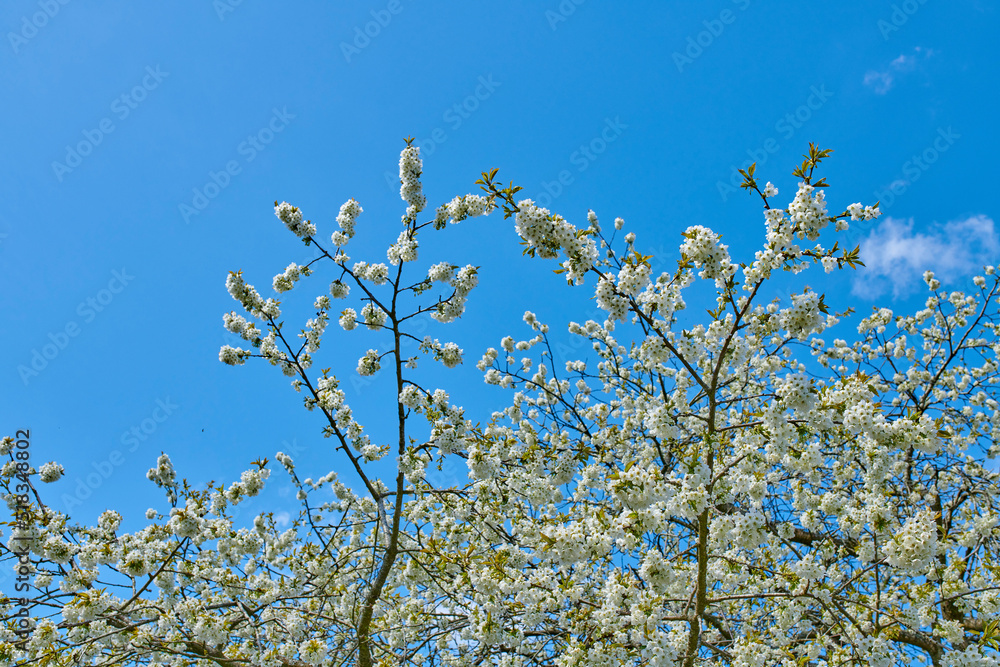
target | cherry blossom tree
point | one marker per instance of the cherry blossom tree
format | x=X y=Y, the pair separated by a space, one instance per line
x=742 y=491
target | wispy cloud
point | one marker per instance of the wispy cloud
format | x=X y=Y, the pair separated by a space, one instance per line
x=904 y=63
x=896 y=257
x=882 y=81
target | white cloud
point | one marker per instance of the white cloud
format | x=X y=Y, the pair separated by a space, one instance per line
x=881 y=81
x=896 y=257
x=282 y=519
x=903 y=63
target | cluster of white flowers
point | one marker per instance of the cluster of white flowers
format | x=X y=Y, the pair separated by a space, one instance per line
x=285 y=281
x=538 y=227
x=292 y=217
x=375 y=273
x=404 y=249
x=796 y=393
x=633 y=278
x=803 y=317
x=805 y=217
x=413 y=465
x=164 y=475
x=859 y=212
x=374 y=316
x=251 y=483
x=369 y=364
x=808 y=211
x=109 y=520
x=245 y=293
x=348 y=319
x=451 y=355
x=51 y=471
x=488 y=358
x=331 y=399
x=608 y=299
x=187 y=522
x=372 y=452
x=238 y=324
x=703 y=248
x=312 y=651
x=276 y=357
x=463 y=282
x=661 y=423
x=914 y=547
x=779 y=245
x=971 y=656
x=441 y=272
x=448 y=354
x=339 y=289
x=547 y=234
x=460 y=208
x=346 y=218
x=58 y=550
x=413 y=397
x=692 y=498
x=743 y=531
x=233 y=356
x=410 y=168
x=314 y=329
x=653 y=351
x=286 y=461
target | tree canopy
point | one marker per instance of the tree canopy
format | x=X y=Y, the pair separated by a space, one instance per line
x=740 y=491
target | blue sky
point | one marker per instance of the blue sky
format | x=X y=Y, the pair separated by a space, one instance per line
x=145 y=144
